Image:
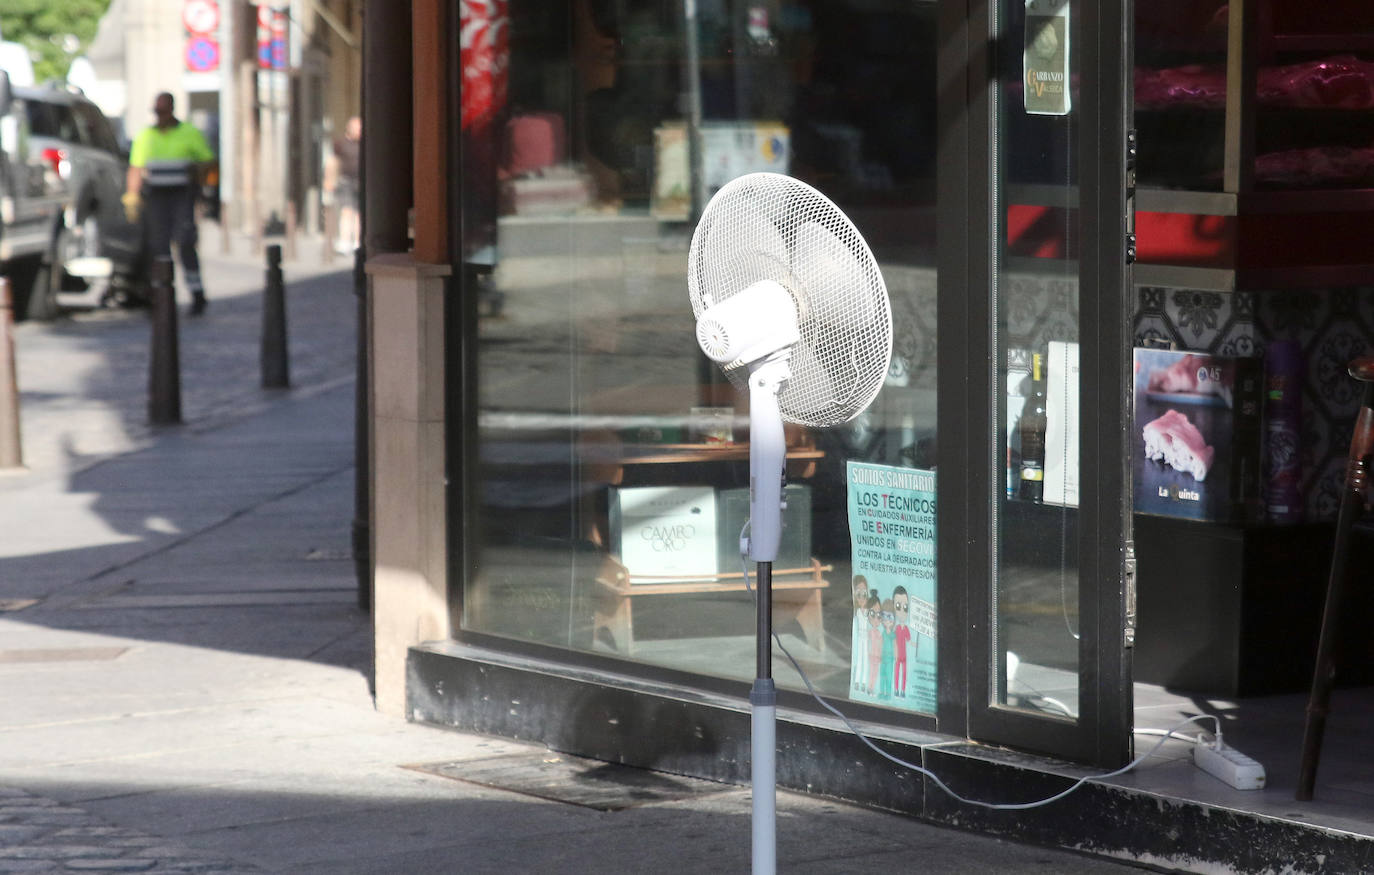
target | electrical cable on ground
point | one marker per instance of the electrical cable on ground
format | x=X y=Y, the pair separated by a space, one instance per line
x=997 y=806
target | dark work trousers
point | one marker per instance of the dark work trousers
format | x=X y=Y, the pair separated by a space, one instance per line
x=170 y=214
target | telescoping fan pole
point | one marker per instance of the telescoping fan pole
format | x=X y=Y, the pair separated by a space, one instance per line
x=763 y=700
x=759 y=231
x=767 y=456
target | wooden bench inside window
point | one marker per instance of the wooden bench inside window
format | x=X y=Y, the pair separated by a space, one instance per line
x=796 y=596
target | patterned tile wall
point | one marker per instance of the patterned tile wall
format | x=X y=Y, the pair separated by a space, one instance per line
x=1333 y=326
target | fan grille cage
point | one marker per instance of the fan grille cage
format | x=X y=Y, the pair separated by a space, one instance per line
x=765 y=226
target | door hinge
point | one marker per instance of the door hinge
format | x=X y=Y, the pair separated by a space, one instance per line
x=1131 y=151
x=1128 y=576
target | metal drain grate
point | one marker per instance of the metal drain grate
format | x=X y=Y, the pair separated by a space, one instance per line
x=574 y=780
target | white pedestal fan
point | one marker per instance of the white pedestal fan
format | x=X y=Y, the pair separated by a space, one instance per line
x=790 y=303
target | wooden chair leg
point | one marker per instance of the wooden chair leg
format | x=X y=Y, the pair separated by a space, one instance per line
x=1354 y=499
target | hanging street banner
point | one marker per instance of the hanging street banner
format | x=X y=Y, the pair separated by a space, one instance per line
x=892 y=535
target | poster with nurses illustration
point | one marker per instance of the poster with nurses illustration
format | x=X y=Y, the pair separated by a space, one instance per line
x=892 y=536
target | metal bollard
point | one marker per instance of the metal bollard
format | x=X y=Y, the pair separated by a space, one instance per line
x=275 y=363
x=291 y=230
x=330 y=233
x=362 y=418
x=164 y=364
x=11 y=452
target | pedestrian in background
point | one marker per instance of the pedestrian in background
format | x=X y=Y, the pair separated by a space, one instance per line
x=166 y=166
x=342 y=169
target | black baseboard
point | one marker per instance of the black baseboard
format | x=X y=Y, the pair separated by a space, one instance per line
x=685 y=731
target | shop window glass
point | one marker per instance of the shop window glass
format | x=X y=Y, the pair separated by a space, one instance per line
x=613 y=471
x=1036 y=332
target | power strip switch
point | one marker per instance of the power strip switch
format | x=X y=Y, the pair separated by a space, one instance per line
x=1229 y=765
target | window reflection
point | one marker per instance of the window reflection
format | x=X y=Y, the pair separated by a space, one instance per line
x=595 y=404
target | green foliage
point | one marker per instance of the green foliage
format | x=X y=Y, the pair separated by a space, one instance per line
x=54 y=31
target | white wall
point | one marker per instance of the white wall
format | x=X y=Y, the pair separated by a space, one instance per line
x=154 y=39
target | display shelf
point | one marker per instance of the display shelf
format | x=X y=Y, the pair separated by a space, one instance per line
x=1266 y=281
x=1224 y=203
x=1253 y=240
x=796 y=596
x=1234 y=610
x=1234 y=42
x=1322 y=43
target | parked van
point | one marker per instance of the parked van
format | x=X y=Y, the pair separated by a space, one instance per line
x=62 y=226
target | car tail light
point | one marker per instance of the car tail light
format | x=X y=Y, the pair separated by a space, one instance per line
x=57 y=159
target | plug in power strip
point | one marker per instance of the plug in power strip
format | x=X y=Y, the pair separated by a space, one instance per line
x=1229 y=765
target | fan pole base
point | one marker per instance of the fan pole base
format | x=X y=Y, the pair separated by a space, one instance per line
x=763 y=701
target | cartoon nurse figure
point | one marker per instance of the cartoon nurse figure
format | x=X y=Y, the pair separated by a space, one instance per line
x=889 y=649
x=901 y=608
x=858 y=648
x=875 y=641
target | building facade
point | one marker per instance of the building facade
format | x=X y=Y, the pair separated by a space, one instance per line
x=560 y=479
x=270 y=119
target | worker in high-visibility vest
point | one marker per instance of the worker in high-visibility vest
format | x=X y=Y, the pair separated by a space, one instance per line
x=166 y=163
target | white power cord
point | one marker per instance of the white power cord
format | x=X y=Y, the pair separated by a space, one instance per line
x=998 y=806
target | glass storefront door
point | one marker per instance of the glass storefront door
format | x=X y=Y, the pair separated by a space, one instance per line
x=1052 y=671
x=606 y=475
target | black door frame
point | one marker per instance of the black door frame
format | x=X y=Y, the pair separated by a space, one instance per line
x=968 y=384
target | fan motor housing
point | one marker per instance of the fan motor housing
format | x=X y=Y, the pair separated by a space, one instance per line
x=749 y=325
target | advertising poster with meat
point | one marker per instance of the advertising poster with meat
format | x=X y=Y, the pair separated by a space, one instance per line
x=1197 y=435
x=892 y=533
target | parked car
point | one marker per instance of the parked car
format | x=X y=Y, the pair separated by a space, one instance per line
x=62 y=226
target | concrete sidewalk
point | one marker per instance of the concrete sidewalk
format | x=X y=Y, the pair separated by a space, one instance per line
x=184 y=678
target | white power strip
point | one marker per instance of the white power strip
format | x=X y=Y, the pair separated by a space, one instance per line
x=1229 y=765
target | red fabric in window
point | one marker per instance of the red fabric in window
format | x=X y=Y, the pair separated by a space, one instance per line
x=484 y=52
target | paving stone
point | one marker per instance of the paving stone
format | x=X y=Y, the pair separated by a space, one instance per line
x=165 y=851
x=51 y=851
x=53 y=817
x=9 y=866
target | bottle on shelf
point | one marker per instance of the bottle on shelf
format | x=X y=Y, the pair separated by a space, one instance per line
x=1018 y=390
x=1033 y=422
x=1283 y=427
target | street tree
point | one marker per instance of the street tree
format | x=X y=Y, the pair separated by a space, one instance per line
x=54 y=31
